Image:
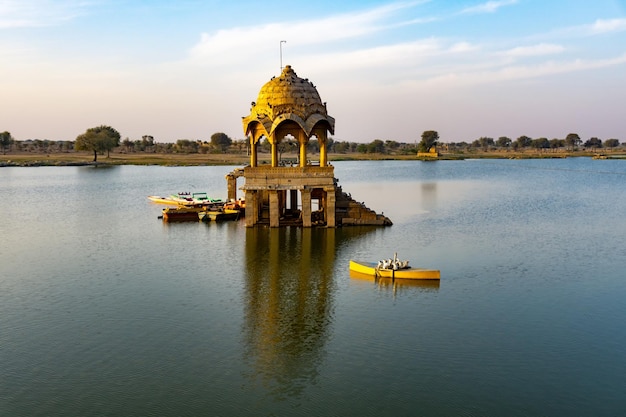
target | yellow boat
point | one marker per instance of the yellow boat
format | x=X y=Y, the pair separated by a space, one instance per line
x=219 y=215
x=162 y=200
x=424 y=285
x=182 y=214
x=372 y=269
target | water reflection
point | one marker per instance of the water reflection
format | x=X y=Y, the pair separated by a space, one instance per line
x=429 y=195
x=288 y=306
x=399 y=286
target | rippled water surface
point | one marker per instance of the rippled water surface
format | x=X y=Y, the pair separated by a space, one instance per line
x=105 y=310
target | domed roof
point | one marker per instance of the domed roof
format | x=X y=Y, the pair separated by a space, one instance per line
x=288 y=97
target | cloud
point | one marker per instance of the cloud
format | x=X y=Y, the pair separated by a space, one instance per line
x=598 y=27
x=35 y=13
x=462 y=47
x=519 y=72
x=534 y=50
x=227 y=43
x=607 y=25
x=488 y=7
x=383 y=56
x=386 y=63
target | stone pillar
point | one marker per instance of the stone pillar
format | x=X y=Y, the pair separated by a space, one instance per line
x=253 y=156
x=294 y=199
x=329 y=209
x=306 y=207
x=302 y=141
x=252 y=208
x=274 y=152
x=274 y=209
x=322 y=142
x=231 y=182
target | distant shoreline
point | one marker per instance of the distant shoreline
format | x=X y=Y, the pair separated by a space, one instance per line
x=86 y=158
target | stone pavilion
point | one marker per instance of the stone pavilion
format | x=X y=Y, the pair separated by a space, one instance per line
x=305 y=193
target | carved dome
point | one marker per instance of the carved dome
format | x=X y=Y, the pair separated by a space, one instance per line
x=289 y=97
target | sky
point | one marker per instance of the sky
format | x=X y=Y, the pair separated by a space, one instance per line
x=387 y=70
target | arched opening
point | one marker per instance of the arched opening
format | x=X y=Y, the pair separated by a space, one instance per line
x=288 y=150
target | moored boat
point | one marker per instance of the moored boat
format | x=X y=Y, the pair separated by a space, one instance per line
x=235 y=204
x=219 y=215
x=162 y=200
x=239 y=205
x=377 y=270
x=187 y=199
x=182 y=214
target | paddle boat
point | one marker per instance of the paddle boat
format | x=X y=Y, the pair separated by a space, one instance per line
x=186 y=199
x=182 y=213
x=162 y=200
x=233 y=204
x=393 y=268
x=219 y=215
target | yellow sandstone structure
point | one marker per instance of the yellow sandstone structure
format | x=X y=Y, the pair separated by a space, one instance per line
x=432 y=153
x=283 y=194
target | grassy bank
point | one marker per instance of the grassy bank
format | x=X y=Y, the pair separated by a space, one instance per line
x=86 y=158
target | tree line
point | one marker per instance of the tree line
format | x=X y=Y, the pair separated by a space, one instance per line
x=104 y=139
x=571 y=141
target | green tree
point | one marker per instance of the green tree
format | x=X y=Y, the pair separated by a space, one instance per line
x=611 y=143
x=376 y=146
x=557 y=143
x=593 y=143
x=330 y=145
x=242 y=145
x=541 y=143
x=485 y=142
x=429 y=139
x=391 y=145
x=187 y=146
x=342 y=147
x=147 y=141
x=523 y=141
x=313 y=146
x=288 y=144
x=573 y=140
x=97 y=139
x=128 y=144
x=503 y=142
x=264 y=144
x=221 y=141
x=5 y=141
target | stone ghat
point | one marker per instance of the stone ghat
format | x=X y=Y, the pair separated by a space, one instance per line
x=349 y=212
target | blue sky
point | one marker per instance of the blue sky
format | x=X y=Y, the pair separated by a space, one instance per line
x=388 y=70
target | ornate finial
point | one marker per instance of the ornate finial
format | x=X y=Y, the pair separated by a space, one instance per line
x=288 y=71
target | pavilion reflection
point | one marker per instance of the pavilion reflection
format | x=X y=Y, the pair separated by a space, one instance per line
x=289 y=302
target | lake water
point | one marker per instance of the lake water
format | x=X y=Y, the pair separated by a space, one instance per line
x=107 y=311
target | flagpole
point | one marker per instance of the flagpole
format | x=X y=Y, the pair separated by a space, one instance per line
x=281 y=55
